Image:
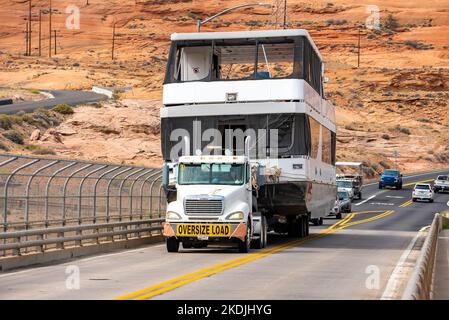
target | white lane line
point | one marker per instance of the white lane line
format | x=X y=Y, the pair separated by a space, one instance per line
x=362 y=202
x=447 y=203
x=395 y=197
x=391 y=290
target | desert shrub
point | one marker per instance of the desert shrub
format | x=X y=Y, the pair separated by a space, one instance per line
x=5 y=122
x=34 y=91
x=400 y=129
x=425 y=120
x=14 y=136
x=350 y=126
x=254 y=23
x=31 y=147
x=63 y=109
x=336 y=22
x=418 y=45
x=442 y=157
x=3 y=147
x=384 y=164
x=391 y=22
x=385 y=136
x=44 y=151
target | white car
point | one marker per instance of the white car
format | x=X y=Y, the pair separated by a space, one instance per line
x=422 y=191
x=441 y=184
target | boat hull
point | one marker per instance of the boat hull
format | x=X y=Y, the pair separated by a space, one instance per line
x=297 y=197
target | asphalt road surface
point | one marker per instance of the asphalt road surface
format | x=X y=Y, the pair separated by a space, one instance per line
x=70 y=97
x=358 y=257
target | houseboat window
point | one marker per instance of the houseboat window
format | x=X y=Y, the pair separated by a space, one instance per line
x=294 y=136
x=238 y=59
x=276 y=60
x=193 y=63
x=234 y=62
x=314 y=137
x=327 y=146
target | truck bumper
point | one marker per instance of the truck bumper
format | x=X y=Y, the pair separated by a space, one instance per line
x=238 y=230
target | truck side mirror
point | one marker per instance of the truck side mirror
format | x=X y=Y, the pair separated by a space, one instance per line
x=260 y=175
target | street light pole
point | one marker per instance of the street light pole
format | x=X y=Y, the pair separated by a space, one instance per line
x=260 y=4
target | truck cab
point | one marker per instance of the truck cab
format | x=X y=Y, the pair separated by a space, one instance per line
x=391 y=178
x=213 y=204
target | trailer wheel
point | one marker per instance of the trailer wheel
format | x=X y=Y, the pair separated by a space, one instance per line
x=244 y=246
x=321 y=221
x=294 y=228
x=172 y=244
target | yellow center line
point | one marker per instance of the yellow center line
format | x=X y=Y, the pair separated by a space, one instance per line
x=169 y=285
x=407 y=203
x=412 y=183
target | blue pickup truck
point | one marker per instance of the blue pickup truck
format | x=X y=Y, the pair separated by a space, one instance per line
x=391 y=178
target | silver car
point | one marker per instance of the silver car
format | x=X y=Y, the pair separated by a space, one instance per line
x=441 y=184
x=343 y=204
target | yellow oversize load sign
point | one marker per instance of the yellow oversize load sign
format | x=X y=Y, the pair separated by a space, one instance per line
x=210 y=230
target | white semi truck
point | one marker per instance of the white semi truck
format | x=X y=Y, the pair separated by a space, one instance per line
x=250 y=105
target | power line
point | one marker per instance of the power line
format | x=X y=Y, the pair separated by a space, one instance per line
x=29 y=29
x=40 y=33
x=113 y=40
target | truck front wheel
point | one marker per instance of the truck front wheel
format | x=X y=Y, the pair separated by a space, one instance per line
x=172 y=244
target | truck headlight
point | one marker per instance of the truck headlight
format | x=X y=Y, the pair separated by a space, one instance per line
x=235 y=216
x=172 y=216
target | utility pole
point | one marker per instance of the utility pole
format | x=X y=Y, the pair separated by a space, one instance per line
x=358 y=51
x=113 y=41
x=55 y=41
x=26 y=37
x=29 y=29
x=40 y=33
x=49 y=33
x=285 y=14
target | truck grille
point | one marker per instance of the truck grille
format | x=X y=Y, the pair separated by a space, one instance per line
x=210 y=207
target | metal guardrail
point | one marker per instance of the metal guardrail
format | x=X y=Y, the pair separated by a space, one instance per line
x=76 y=236
x=420 y=284
x=44 y=193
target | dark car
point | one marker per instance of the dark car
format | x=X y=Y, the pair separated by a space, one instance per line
x=391 y=178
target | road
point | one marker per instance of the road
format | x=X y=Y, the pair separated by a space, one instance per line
x=353 y=258
x=70 y=97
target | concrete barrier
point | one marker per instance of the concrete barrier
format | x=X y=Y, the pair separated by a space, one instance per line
x=420 y=285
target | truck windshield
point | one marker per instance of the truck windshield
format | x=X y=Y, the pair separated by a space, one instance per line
x=391 y=172
x=211 y=173
x=344 y=184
